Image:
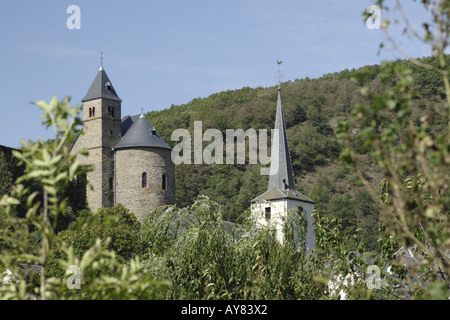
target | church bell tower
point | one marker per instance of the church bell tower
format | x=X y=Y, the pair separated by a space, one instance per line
x=271 y=209
x=102 y=130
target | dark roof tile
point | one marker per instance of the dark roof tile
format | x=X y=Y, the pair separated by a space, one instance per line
x=101 y=87
x=137 y=132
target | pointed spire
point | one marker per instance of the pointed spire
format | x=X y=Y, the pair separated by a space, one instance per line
x=101 y=87
x=281 y=177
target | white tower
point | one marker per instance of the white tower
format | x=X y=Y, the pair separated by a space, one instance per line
x=281 y=199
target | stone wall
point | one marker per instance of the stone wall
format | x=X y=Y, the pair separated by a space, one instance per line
x=130 y=164
x=101 y=132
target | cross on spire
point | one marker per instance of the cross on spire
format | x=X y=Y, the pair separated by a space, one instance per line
x=142 y=110
x=101 y=59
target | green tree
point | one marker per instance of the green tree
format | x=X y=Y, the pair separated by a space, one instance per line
x=6 y=174
x=415 y=198
x=117 y=225
x=52 y=166
x=207 y=258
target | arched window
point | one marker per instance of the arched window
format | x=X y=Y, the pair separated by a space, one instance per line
x=144 y=179
x=164 y=182
x=93 y=111
x=90 y=112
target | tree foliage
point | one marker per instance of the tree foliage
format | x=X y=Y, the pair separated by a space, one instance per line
x=313 y=109
x=398 y=132
x=412 y=151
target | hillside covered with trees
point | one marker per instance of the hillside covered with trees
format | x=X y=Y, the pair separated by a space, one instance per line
x=312 y=109
x=371 y=146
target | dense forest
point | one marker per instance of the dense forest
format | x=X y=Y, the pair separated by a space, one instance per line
x=192 y=251
x=312 y=109
x=370 y=146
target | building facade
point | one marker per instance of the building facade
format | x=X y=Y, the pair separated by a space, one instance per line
x=281 y=200
x=131 y=162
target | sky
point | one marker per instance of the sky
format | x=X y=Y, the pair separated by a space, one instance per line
x=159 y=53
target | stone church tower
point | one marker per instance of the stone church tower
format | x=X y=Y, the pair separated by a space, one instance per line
x=281 y=198
x=144 y=171
x=122 y=153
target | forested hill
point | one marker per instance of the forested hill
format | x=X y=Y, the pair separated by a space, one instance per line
x=9 y=169
x=312 y=109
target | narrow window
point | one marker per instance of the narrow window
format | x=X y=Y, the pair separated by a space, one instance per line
x=90 y=112
x=144 y=179
x=93 y=111
x=164 y=182
x=268 y=215
x=112 y=112
x=111 y=183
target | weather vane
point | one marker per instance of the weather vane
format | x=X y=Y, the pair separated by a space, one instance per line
x=279 y=74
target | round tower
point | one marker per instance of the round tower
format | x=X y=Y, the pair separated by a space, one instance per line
x=144 y=172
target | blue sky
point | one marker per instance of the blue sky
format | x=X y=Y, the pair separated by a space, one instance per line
x=159 y=53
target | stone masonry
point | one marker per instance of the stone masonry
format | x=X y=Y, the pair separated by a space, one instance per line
x=116 y=175
x=130 y=164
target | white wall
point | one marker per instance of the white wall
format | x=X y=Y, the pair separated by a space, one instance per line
x=279 y=211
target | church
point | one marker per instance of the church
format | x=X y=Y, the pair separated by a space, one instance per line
x=131 y=162
x=272 y=208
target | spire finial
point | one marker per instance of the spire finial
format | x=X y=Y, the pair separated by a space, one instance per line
x=279 y=74
x=101 y=59
x=142 y=114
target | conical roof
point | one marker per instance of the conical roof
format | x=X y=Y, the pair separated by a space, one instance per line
x=281 y=178
x=139 y=132
x=101 y=87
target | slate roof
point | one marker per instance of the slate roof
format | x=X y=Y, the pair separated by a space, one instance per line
x=281 y=164
x=274 y=194
x=137 y=131
x=101 y=87
x=281 y=184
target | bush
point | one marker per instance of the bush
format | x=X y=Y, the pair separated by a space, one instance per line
x=117 y=225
